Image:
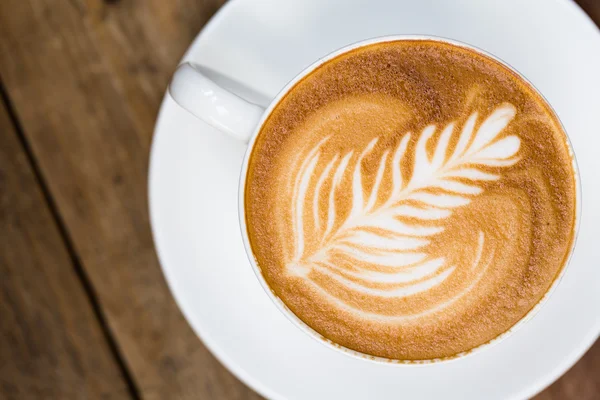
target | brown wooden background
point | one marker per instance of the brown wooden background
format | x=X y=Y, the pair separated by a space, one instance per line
x=84 y=309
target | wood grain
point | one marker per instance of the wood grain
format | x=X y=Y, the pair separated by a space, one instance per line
x=86 y=78
x=51 y=344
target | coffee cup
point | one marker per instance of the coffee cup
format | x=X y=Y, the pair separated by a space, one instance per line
x=410 y=283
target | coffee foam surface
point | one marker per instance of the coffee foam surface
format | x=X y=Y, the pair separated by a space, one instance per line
x=411 y=200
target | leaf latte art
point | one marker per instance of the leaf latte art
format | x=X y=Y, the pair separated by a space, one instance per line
x=383 y=239
x=410 y=200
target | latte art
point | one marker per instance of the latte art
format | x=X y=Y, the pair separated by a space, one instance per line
x=379 y=247
x=411 y=200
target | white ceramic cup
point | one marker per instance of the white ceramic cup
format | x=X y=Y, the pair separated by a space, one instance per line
x=243 y=120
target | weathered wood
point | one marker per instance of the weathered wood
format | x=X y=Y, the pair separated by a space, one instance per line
x=86 y=78
x=51 y=344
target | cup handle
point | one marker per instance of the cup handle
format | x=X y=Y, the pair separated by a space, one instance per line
x=214 y=105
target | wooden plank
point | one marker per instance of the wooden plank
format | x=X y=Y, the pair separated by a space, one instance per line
x=51 y=344
x=582 y=382
x=86 y=78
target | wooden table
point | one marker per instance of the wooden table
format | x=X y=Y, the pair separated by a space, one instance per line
x=85 y=311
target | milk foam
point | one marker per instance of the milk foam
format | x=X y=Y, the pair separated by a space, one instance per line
x=410 y=200
x=375 y=317
x=385 y=236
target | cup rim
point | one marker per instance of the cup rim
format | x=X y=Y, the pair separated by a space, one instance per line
x=289 y=314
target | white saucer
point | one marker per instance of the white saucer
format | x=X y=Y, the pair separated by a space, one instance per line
x=194 y=180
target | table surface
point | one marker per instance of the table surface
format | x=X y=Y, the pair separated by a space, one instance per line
x=85 y=311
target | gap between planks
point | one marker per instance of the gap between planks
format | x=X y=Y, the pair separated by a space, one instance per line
x=76 y=262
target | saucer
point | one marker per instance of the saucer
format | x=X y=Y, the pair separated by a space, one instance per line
x=254 y=48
